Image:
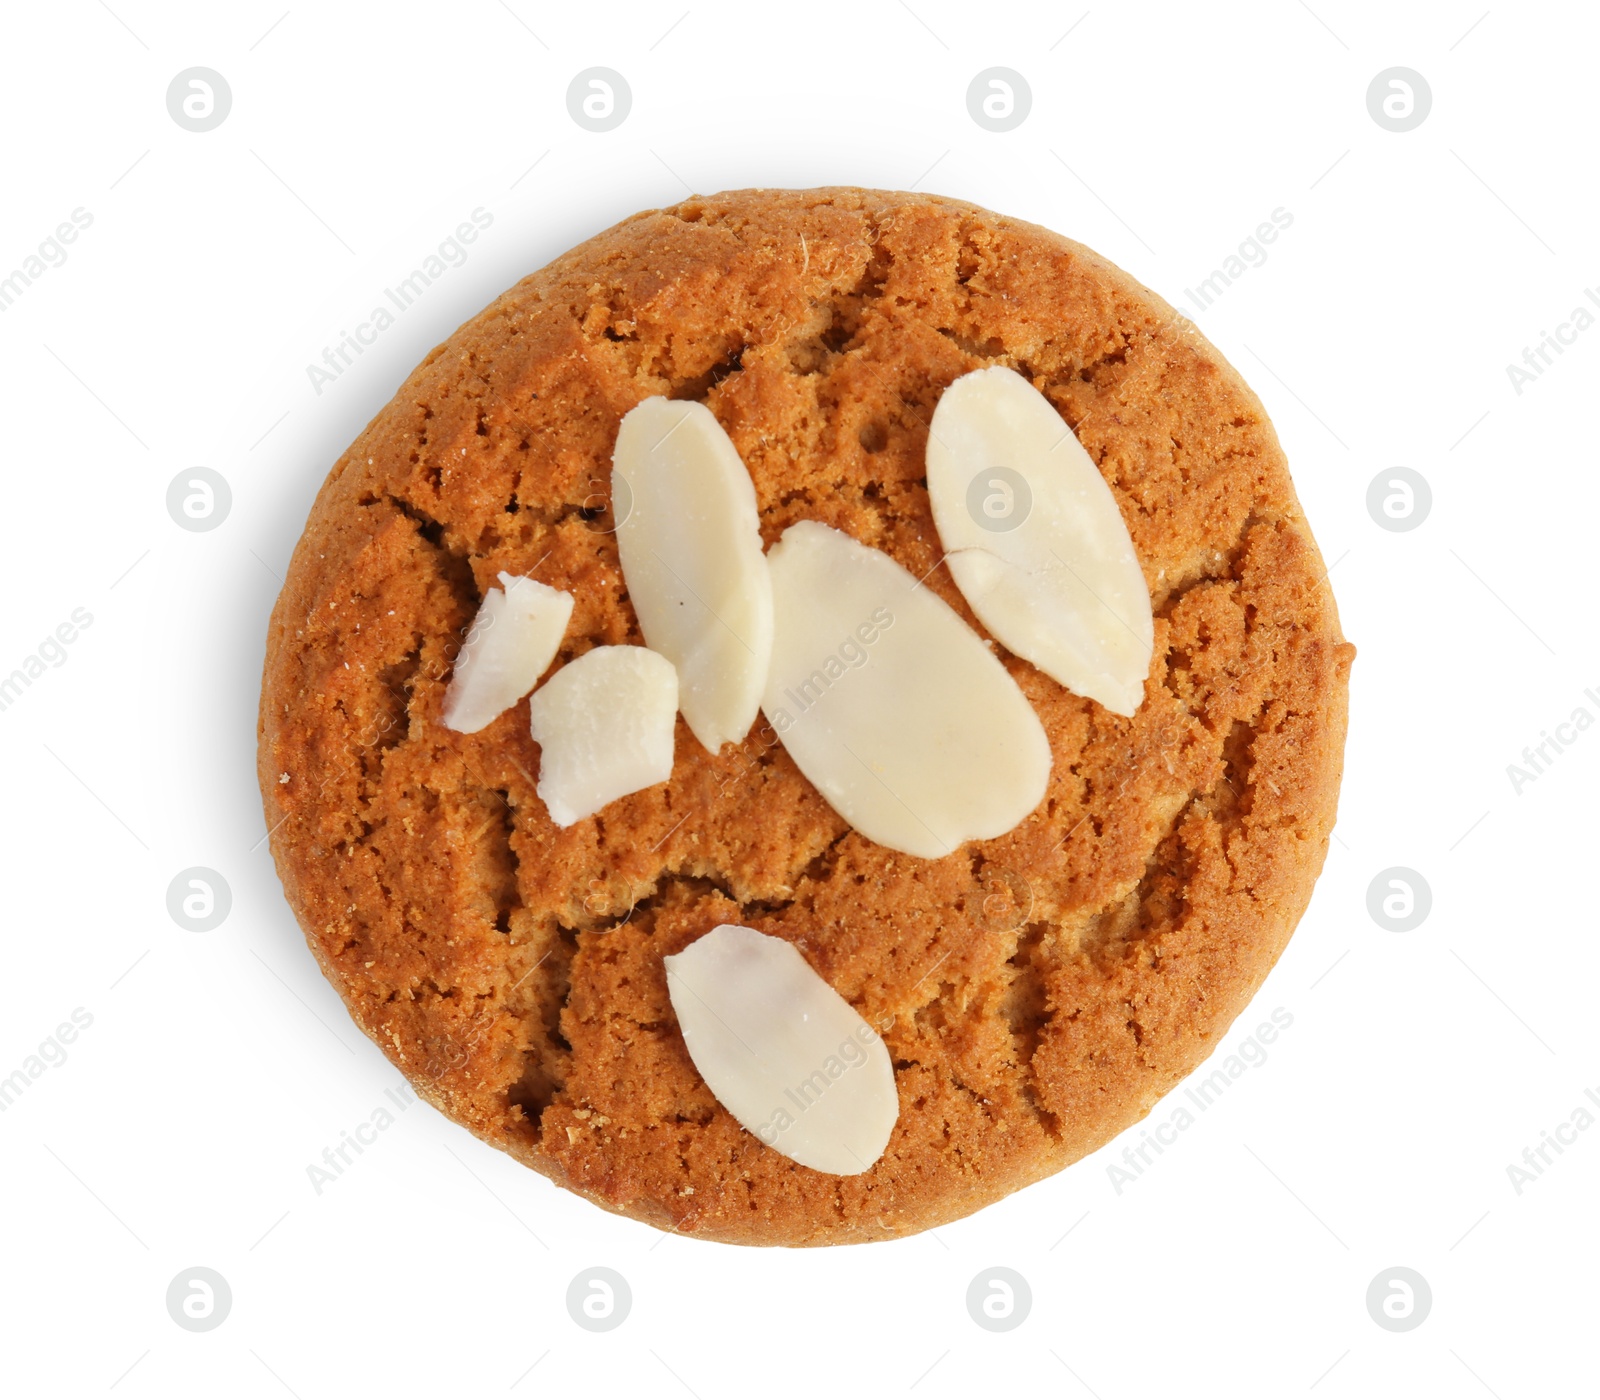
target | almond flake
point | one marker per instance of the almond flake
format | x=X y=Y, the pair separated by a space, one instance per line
x=1034 y=538
x=604 y=725
x=513 y=638
x=690 y=541
x=890 y=704
x=784 y=1053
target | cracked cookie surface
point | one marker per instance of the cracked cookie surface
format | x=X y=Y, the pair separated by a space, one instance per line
x=1041 y=990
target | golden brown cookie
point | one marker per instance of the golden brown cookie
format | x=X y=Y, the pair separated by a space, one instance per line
x=1043 y=989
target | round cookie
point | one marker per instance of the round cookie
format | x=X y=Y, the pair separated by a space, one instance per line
x=1041 y=990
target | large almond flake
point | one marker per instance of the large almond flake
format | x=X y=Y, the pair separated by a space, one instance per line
x=604 y=724
x=514 y=636
x=690 y=541
x=890 y=704
x=783 y=1052
x=1034 y=539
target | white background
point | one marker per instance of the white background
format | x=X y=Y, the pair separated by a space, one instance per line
x=219 y=1065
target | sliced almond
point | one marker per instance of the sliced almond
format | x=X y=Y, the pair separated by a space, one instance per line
x=1034 y=538
x=691 y=556
x=783 y=1052
x=514 y=636
x=604 y=724
x=890 y=704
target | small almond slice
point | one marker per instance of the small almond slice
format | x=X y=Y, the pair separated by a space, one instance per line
x=604 y=725
x=890 y=704
x=514 y=636
x=690 y=541
x=783 y=1052
x=1034 y=538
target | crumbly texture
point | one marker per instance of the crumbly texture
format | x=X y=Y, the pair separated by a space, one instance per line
x=1042 y=990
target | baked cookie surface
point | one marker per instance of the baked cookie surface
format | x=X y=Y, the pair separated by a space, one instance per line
x=1040 y=990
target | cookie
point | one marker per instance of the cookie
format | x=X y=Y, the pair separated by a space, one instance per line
x=1039 y=991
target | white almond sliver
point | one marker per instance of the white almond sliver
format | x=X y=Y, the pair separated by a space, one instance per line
x=1034 y=538
x=514 y=636
x=783 y=1052
x=604 y=725
x=890 y=704
x=690 y=541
